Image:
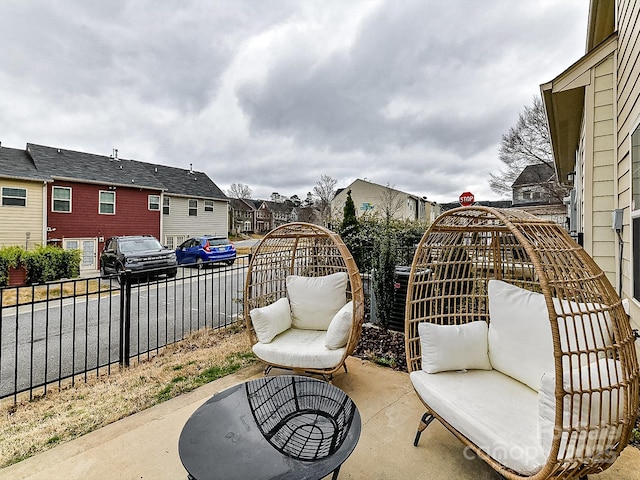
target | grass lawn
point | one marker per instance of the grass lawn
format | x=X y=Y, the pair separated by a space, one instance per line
x=31 y=427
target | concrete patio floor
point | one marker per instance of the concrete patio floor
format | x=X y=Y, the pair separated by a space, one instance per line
x=145 y=445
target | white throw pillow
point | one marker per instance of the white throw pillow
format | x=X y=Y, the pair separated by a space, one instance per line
x=340 y=327
x=315 y=300
x=520 y=341
x=596 y=417
x=271 y=320
x=454 y=347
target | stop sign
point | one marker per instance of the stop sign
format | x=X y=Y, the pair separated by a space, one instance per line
x=466 y=199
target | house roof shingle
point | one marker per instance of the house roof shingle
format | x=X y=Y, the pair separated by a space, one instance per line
x=535 y=175
x=87 y=167
x=15 y=163
x=179 y=181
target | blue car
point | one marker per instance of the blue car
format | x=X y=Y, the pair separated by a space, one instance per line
x=200 y=251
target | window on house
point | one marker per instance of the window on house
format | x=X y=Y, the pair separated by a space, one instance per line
x=61 y=199
x=168 y=241
x=154 y=202
x=536 y=195
x=165 y=206
x=526 y=195
x=107 y=203
x=14 y=197
x=208 y=205
x=193 y=208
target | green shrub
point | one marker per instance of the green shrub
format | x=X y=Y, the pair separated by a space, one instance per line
x=43 y=264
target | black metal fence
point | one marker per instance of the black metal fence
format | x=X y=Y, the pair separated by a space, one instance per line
x=67 y=330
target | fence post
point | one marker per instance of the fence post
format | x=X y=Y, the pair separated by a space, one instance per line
x=125 y=318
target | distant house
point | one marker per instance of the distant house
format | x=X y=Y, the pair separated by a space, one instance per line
x=264 y=221
x=282 y=212
x=376 y=200
x=536 y=191
x=537 y=185
x=192 y=204
x=22 y=191
x=242 y=216
x=93 y=197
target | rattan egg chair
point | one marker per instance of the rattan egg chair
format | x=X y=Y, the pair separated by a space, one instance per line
x=593 y=405
x=306 y=250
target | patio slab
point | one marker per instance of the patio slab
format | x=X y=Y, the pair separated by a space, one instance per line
x=145 y=445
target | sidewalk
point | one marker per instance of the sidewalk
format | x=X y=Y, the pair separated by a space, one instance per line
x=145 y=445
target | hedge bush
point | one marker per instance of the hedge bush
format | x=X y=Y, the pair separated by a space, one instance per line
x=43 y=264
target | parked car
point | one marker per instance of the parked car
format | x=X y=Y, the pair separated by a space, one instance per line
x=137 y=254
x=206 y=249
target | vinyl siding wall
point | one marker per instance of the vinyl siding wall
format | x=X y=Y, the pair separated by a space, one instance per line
x=628 y=103
x=16 y=221
x=179 y=224
x=602 y=185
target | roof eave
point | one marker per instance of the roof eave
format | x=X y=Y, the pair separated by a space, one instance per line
x=563 y=99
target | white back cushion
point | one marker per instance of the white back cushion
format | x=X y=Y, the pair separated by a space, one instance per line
x=454 y=347
x=315 y=300
x=340 y=327
x=271 y=320
x=520 y=342
x=595 y=416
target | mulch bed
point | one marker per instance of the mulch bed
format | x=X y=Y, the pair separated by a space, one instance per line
x=382 y=346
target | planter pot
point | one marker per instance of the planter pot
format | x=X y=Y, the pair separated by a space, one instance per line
x=17 y=277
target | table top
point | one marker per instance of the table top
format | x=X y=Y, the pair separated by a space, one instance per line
x=281 y=427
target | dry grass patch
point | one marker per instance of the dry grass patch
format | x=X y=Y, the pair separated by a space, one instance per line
x=34 y=426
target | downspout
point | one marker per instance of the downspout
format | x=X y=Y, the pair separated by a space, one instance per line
x=45 y=219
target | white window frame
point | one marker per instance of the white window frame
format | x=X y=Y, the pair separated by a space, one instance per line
x=14 y=197
x=208 y=206
x=101 y=202
x=154 y=205
x=166 y=208
x=54 y=199
x=192 y=209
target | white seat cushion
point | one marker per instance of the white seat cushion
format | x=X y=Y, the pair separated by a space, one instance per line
x=491 y=409
x=271 y=320
x=454 y=347
x=315 y=300
x=298 y=348
x=520 y=342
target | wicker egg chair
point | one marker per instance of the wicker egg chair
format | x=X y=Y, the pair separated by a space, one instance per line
x=310 y=251
x=458 y=257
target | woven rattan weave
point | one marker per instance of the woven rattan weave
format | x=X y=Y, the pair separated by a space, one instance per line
x=466 y=247
x=307 y=250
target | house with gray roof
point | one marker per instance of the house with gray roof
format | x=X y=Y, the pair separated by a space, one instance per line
x=89 y=198
x=22 y=192
x=191 y=204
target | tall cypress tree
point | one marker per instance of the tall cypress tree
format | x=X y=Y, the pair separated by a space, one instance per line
x=349 y=223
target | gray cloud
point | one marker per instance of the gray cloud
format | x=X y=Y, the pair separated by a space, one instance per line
x=415 y=94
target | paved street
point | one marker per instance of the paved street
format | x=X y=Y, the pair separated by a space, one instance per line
x=55 y=339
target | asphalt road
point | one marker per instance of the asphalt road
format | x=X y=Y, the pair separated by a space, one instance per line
x=55 y=339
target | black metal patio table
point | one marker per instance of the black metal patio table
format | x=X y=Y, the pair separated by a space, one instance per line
x=281 y=427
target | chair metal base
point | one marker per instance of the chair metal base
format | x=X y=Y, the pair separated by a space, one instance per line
x=426 y=419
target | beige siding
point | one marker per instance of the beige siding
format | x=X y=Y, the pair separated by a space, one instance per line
x=363 y=193
x=628 y=102
x=16 y=223
x=602 y=185
x=179 y=224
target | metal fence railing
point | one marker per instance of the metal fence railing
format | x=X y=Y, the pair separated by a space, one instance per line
x=66 y=330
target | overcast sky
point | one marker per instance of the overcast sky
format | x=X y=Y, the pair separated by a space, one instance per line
x=274 y=94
